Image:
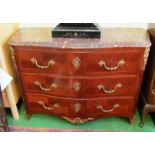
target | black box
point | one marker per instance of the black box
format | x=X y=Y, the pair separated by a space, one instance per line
x=76 y=30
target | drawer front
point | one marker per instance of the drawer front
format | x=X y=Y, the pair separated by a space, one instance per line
x=38 y=103
x=65 y=107
x=115 y=61
x=79 y=110
x=53 y=61
x=109 y=107
x=80 y=61
x=80 y=87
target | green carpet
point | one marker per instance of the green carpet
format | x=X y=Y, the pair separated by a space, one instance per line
x=104 y=124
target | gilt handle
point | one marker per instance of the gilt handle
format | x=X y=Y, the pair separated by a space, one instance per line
x=56 y=105
x=102 y=87
x=102 y=63
x=35 y=62
x=52 y=86
x=107 y=110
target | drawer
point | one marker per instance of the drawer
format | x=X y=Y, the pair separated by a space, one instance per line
x=121 y=106
x=79 y=110
x=80 y=61
x=85 y=87
x=65 y=107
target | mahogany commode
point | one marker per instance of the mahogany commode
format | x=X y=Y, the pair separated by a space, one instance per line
x=81 y=79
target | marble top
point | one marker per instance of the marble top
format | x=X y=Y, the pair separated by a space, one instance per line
x=111 y=37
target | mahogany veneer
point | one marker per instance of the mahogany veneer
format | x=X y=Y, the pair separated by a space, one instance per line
x=87 y=58
x=79 y=84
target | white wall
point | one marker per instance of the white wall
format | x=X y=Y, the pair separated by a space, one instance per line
x=135 y=25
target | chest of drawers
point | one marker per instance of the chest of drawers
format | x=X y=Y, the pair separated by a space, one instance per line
x=80 y=79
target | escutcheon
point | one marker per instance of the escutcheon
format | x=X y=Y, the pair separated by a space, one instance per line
x=76 y=63
x=77 y=86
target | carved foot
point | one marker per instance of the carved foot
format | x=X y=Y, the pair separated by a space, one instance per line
x=28 y=116
x=132 y=120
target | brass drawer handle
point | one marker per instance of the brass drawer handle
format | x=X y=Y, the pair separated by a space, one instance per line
x=109 y=110
x=153 y=91
x=35 y=62
x=102 y=87
x=52 y=86
x=56 y=105
x=103 y=63
x=78 y=120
